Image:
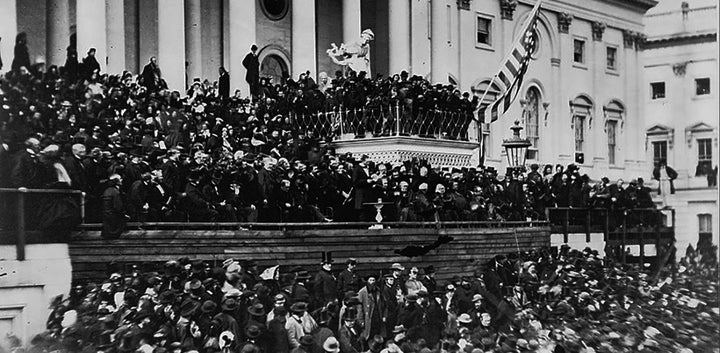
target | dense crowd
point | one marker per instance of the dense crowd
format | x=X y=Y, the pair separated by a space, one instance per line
x=143 y=153
x=550 y=300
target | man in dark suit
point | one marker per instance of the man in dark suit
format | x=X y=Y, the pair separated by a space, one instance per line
x=252 y=65
x=363 y=188
x=150 y=76
x=224 y=83
x=114 y=217
x=76 y=169
x=325 y=284
x=26 y=168
x=90 y=63
x=347 y=279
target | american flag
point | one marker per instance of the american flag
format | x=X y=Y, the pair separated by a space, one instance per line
x=509 y=78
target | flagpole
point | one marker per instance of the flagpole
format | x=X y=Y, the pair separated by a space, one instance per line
x=481 y=155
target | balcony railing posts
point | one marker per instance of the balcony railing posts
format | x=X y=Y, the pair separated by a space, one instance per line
x=397 y=118
x=342 y=122
x=20 y=241
x=624 y=235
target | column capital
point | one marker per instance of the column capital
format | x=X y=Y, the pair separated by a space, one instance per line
x=464 y=4
x=564 y=20
x=507 y=9
x=598 y=28
x=628 y=38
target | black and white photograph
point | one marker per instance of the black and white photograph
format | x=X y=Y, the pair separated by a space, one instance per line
x=359 y=176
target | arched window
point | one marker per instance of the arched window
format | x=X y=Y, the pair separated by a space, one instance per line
x=532 y=118
x=614 y=112
x=273 y=66
x=581 y=109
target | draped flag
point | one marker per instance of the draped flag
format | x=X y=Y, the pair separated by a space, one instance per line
x=509 y=78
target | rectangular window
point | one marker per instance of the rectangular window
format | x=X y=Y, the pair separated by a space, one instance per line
x=579 y=51
x=611 y=128
x=704 y=231
x=579 y=132
x=611 y=60
x=702 y=86
x=658 y=90
x=704 y=156
x=483 y=30
x=659 y=151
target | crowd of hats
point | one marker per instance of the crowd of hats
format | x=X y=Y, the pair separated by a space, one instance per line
x=165 y=138
x=550 y=300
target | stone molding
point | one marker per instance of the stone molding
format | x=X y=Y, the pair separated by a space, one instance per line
x=564 y=21
x=507 y=9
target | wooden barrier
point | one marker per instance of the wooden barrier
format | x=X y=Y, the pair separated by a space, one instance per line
x=303 y=245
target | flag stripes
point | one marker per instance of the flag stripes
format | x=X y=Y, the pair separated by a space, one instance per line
x=509 y=78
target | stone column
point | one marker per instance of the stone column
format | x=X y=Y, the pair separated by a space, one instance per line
x=242 y=33
x=193 y=39
x=304 y=56
x=399 y=35
x=8 y=31
x=115 y=36
x=91 y=30
x=58 y=31
x=351 y=20
x=171 y=46
x=439 y=42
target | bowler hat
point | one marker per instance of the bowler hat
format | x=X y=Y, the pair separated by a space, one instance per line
x=331 y=345
x=208 y=307
x=298 y=307
x=189 y=307
x=257 y=310
x=229 y=304
x=252 y=331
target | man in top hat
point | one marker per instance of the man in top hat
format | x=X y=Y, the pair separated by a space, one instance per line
x=325 y=284
x=349 y=335
x=347 y=280
x=428 y=280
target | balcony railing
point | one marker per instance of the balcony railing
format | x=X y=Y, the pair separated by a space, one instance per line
x=396 y=119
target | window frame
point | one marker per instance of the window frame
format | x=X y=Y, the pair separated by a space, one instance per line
x=583 y=54
x=615 y=68
x=652 y=90
x=709 y=90
x=612 y=152
x=534 y=138
x=490 y=29
x=704 y=158
x=659 y=143
x=579 y=120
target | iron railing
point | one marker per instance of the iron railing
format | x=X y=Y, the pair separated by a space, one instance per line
x=342 y=123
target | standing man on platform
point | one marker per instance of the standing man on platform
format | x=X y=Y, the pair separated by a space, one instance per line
x=90 y=63
x=224 y=84
x=252 y=65
x=150 y=77
x=113 y=207
x=347 y=279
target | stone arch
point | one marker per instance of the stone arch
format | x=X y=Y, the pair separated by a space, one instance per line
x=546 y=31
x=278 y=52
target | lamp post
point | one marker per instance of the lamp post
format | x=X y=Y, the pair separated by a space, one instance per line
x=516 y=148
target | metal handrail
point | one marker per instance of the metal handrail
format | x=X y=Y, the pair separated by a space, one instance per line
x=324 y=225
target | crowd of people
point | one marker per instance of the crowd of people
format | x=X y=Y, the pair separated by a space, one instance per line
x=549 y=300
x=142 y=153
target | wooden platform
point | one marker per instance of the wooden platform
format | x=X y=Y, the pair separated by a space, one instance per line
x=303 y=244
